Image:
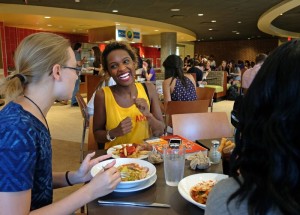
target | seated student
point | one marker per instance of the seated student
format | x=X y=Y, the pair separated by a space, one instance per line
x=45 y=71
x=266 y=161
x=198 y=71
x=127 y=112
x=177 y=86
x=148 y=72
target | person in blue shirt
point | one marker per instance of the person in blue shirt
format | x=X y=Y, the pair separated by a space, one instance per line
x=148 y=71
x=45 y=71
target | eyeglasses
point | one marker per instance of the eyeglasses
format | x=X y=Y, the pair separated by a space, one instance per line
x=77 y=70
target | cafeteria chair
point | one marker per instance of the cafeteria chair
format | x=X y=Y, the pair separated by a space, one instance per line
x=92 y=144
x=195 y=126
x=84 y=112
x=179 y=107
x=204 y=93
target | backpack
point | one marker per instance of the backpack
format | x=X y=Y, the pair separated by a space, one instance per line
x=232 y=92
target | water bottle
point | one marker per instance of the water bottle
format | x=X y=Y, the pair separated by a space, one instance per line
x=214 y=154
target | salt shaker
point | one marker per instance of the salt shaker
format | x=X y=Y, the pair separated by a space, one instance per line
x=214 y=154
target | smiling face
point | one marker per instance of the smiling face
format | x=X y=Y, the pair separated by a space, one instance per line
x=121 y=67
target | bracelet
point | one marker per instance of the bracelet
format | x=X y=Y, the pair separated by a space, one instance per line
x=67 y=179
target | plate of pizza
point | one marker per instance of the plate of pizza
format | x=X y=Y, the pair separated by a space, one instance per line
x=130 y=150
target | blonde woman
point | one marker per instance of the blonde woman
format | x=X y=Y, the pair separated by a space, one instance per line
x=45 y=71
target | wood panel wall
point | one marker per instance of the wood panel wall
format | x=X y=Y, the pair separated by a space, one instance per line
x=235 y=49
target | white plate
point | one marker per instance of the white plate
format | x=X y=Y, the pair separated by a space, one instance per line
x=120 y=161
x=188 y=182
x=143 y=186
x=113 y=149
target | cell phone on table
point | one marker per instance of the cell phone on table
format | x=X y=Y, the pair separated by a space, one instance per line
x=174 y=143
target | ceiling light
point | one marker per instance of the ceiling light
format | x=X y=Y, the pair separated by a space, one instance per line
x=211 y=38
x=77 y=1
x=234 y=31
x=175 y=9
x=213 y=21
x=200 y=14
x=210 y=29
x=281 y=14
x=156 y=30
x=117 y=23
x=239 y=22
x=237 y=33
x=115 y=11
x=49 y=25
x=47 y=17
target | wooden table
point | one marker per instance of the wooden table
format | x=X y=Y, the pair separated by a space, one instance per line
x=159 y=192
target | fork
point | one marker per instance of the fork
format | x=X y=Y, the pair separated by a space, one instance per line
x=124 y=174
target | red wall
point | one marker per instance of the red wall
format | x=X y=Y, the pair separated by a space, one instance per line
x=11 y=38
x=148 y=52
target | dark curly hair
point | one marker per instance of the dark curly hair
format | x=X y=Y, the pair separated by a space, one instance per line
x=115 y=45
x=268 y=150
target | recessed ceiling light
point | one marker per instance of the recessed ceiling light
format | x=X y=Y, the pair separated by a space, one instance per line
x=47 y=17
x=210 y=29
x=49 y=25
x=237 y=33
x=213 y=21
x=211 y=38
x=175 y=9
x=156 y=30
x=281 y=14
x=117 y=23
x=115 y=11
x=200 y=14
x=249 y=38
x=239 y=22
x=77 y=1
x=234 y=31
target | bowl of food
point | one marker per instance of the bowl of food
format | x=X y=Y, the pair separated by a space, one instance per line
x=134 y=172
x=196 y=188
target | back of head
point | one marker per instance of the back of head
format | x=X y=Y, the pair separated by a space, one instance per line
x=260 y=58
x=269 y=151
x=77 y=46
x=97 y=53
x=117 y=45
x=35 y=56
x=173 y=66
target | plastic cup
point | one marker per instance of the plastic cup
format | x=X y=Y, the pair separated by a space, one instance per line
x=174 y=163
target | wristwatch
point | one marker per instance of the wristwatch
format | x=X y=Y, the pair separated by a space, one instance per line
x=108 y=137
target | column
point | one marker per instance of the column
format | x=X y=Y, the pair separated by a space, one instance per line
x=168 y=45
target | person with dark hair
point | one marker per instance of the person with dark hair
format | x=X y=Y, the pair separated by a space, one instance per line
x=127 y=112
x=77 y=51
x=148 y=72
x=97 y=67
x=249 y=74
x=177 y=86
x=45 y=71
x=266 y=160
x=197 y=70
